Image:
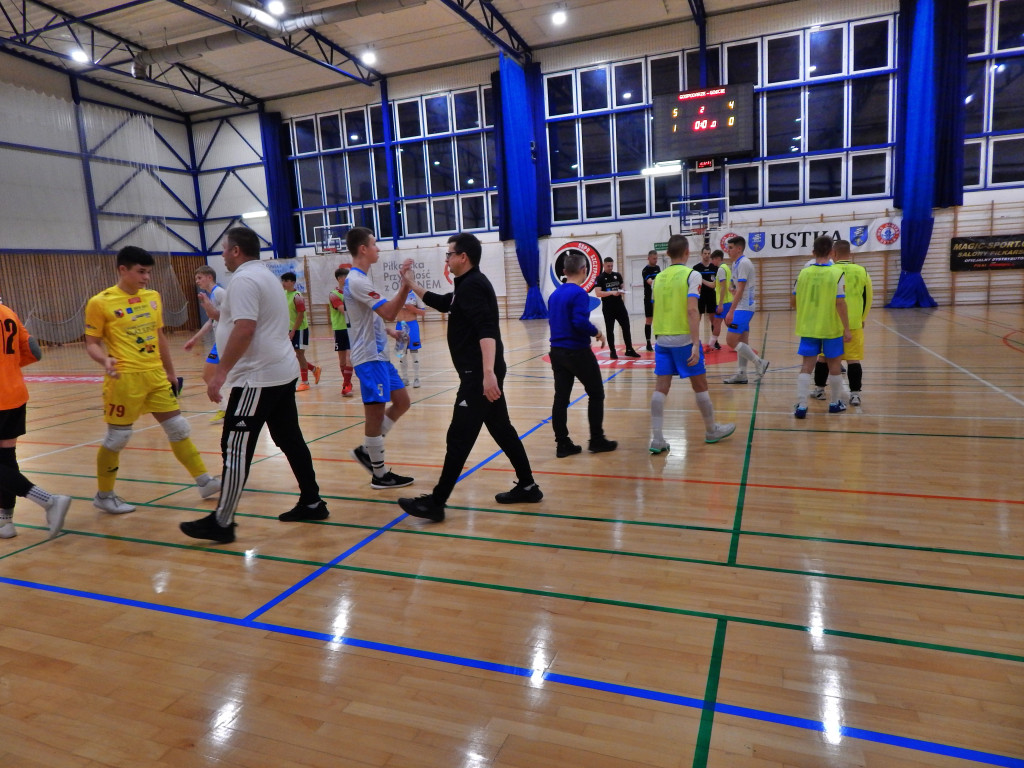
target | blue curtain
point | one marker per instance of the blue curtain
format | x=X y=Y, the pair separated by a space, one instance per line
x=519 y=181
x=279 y=184
x=930 y=130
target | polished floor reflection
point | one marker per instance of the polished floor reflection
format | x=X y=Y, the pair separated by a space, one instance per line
x=841 y=591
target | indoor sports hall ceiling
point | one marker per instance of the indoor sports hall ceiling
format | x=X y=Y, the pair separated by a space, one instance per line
x=202 y=54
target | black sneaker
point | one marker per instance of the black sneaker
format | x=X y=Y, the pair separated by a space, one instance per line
x=304 y=512
x=717 y=346
x=649 y=347
x=361 y=456
x=520 y=494
x=602 y=445
x=423 y=506
x=568 y=448
x=390 y=480
x=632 y=353
x=613 y=355
x=208 y=528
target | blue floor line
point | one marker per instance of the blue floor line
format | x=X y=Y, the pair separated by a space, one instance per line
x=862 y=734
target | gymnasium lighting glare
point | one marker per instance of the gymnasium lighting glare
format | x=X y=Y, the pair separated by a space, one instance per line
x=254 y=215
x=369 y=58
x=663 y=169
x=559 y=17
x=276 y=7
x=79 y=55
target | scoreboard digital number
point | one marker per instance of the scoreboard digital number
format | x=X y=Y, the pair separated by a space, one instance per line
x=712 y=122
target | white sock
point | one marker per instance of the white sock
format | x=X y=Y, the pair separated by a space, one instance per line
x=746 y=355
x=39 y=496
x=375 y=448
x=840 y=392
x=405 y=366
x=657 y=416
x=386 y=425
x=707 y=410
x=6 y=516
x=415 y=364
x=803 y=389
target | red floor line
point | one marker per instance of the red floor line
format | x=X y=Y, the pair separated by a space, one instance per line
x=1016 y=346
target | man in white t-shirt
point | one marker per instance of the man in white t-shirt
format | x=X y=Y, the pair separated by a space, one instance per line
x=258 y=366
x=741 y=313
x=379 y=382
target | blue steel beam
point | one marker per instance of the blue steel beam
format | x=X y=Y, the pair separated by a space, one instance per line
x=17 y=31
x=327 y=54
x=493 y=27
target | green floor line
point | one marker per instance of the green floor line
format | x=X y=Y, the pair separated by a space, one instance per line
x=702 y=749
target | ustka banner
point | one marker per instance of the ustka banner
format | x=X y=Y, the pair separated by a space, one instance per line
x=595 y=248
x=865 y=236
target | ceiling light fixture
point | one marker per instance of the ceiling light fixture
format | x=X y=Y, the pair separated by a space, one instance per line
x=559 y=17
x=80 y=56
x=276 y=7
x=369 y=58
x=663 y=169
x=254 y=215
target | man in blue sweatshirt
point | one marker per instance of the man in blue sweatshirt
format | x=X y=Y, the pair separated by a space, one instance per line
x=572 y=358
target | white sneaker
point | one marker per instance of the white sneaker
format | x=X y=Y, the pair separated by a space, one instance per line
x=854 y=398
x=416 y=383
x=8 y=531
x=762 y=369
x=211 y=488
x=818 y=393
x=56 y=511
x=720 y=432
x=112 y=504
x=657 y=447
x=736 y=378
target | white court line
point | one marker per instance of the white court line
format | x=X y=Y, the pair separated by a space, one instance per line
x=97 y=441
x=953 y=365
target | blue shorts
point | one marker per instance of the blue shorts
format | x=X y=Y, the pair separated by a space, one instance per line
x=413 y=327
x=377 y=380
x=830 y=348
x=741 y=321
x=213 y=357
x=725 y=311
x=671 y=361
x=341 y=342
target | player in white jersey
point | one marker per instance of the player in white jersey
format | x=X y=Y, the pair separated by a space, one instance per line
x=744 y=304
x=379 y=381
x=211 y=296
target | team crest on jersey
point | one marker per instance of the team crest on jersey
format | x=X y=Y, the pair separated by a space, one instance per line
x=858 y=235
x=134 y=300
x=756 y=241
x=152 y=304
x=119 y=313
x=129 y=310
x=888 y=233
x=374 y=295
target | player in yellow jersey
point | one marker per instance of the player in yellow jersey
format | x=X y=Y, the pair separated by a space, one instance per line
x=298 y=331
x=677 y=350
x=123 y=334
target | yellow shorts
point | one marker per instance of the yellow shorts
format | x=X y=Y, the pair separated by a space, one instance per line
x=854 y=348
x=132 y=395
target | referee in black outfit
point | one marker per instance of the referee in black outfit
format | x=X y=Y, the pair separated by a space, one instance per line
x=474 y=340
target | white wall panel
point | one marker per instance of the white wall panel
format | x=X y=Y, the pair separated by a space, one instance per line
x=43 y=202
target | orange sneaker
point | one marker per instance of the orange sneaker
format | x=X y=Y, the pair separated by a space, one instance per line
x=303 y=386
x=346 y=391
x=317 y=370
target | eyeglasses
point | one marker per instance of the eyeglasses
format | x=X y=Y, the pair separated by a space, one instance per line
x=449 y=254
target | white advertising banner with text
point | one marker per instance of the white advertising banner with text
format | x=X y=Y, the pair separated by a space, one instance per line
x=796 y=239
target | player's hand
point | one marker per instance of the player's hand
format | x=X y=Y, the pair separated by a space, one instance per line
x=600 y=338
x=694 y=357
x=110 y=368
x=728 y=318
x=491 y=389
x=291 y=335
x=189 y=344
x=213 y=386
x=847 y=336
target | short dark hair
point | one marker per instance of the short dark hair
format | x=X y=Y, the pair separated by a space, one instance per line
x=574 y=262
x=704 y=248
x=468 y=244
x=356 y=237
x=289 y=276
x=717 y=254
x=245 y=240
x=822 y=245
x=609 y=260
x=340 y=272
x=678 y=247
x=206 y=270
x=737 y=240
x=842 y=248
x=652 y=252
x=131 y=255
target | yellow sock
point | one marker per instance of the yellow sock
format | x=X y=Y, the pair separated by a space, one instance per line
x=106 y=469
x=186 y=452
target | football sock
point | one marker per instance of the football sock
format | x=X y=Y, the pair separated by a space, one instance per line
x=856 y=374
x=820 y=373
x=803 y=389
x=375 y=448
x=106 y=469
x=187 y=454
x=39 y=496
x=707 y=410
x=657 y=416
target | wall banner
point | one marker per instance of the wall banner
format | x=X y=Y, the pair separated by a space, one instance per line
x=594 y=247
x=865 y=236
x=967 y=254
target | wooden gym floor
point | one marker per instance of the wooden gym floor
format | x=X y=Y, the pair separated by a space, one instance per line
x=841 y=591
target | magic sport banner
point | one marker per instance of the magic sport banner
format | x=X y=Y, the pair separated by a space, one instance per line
x=796 y=239
x=593 y=247
x=967 y=254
